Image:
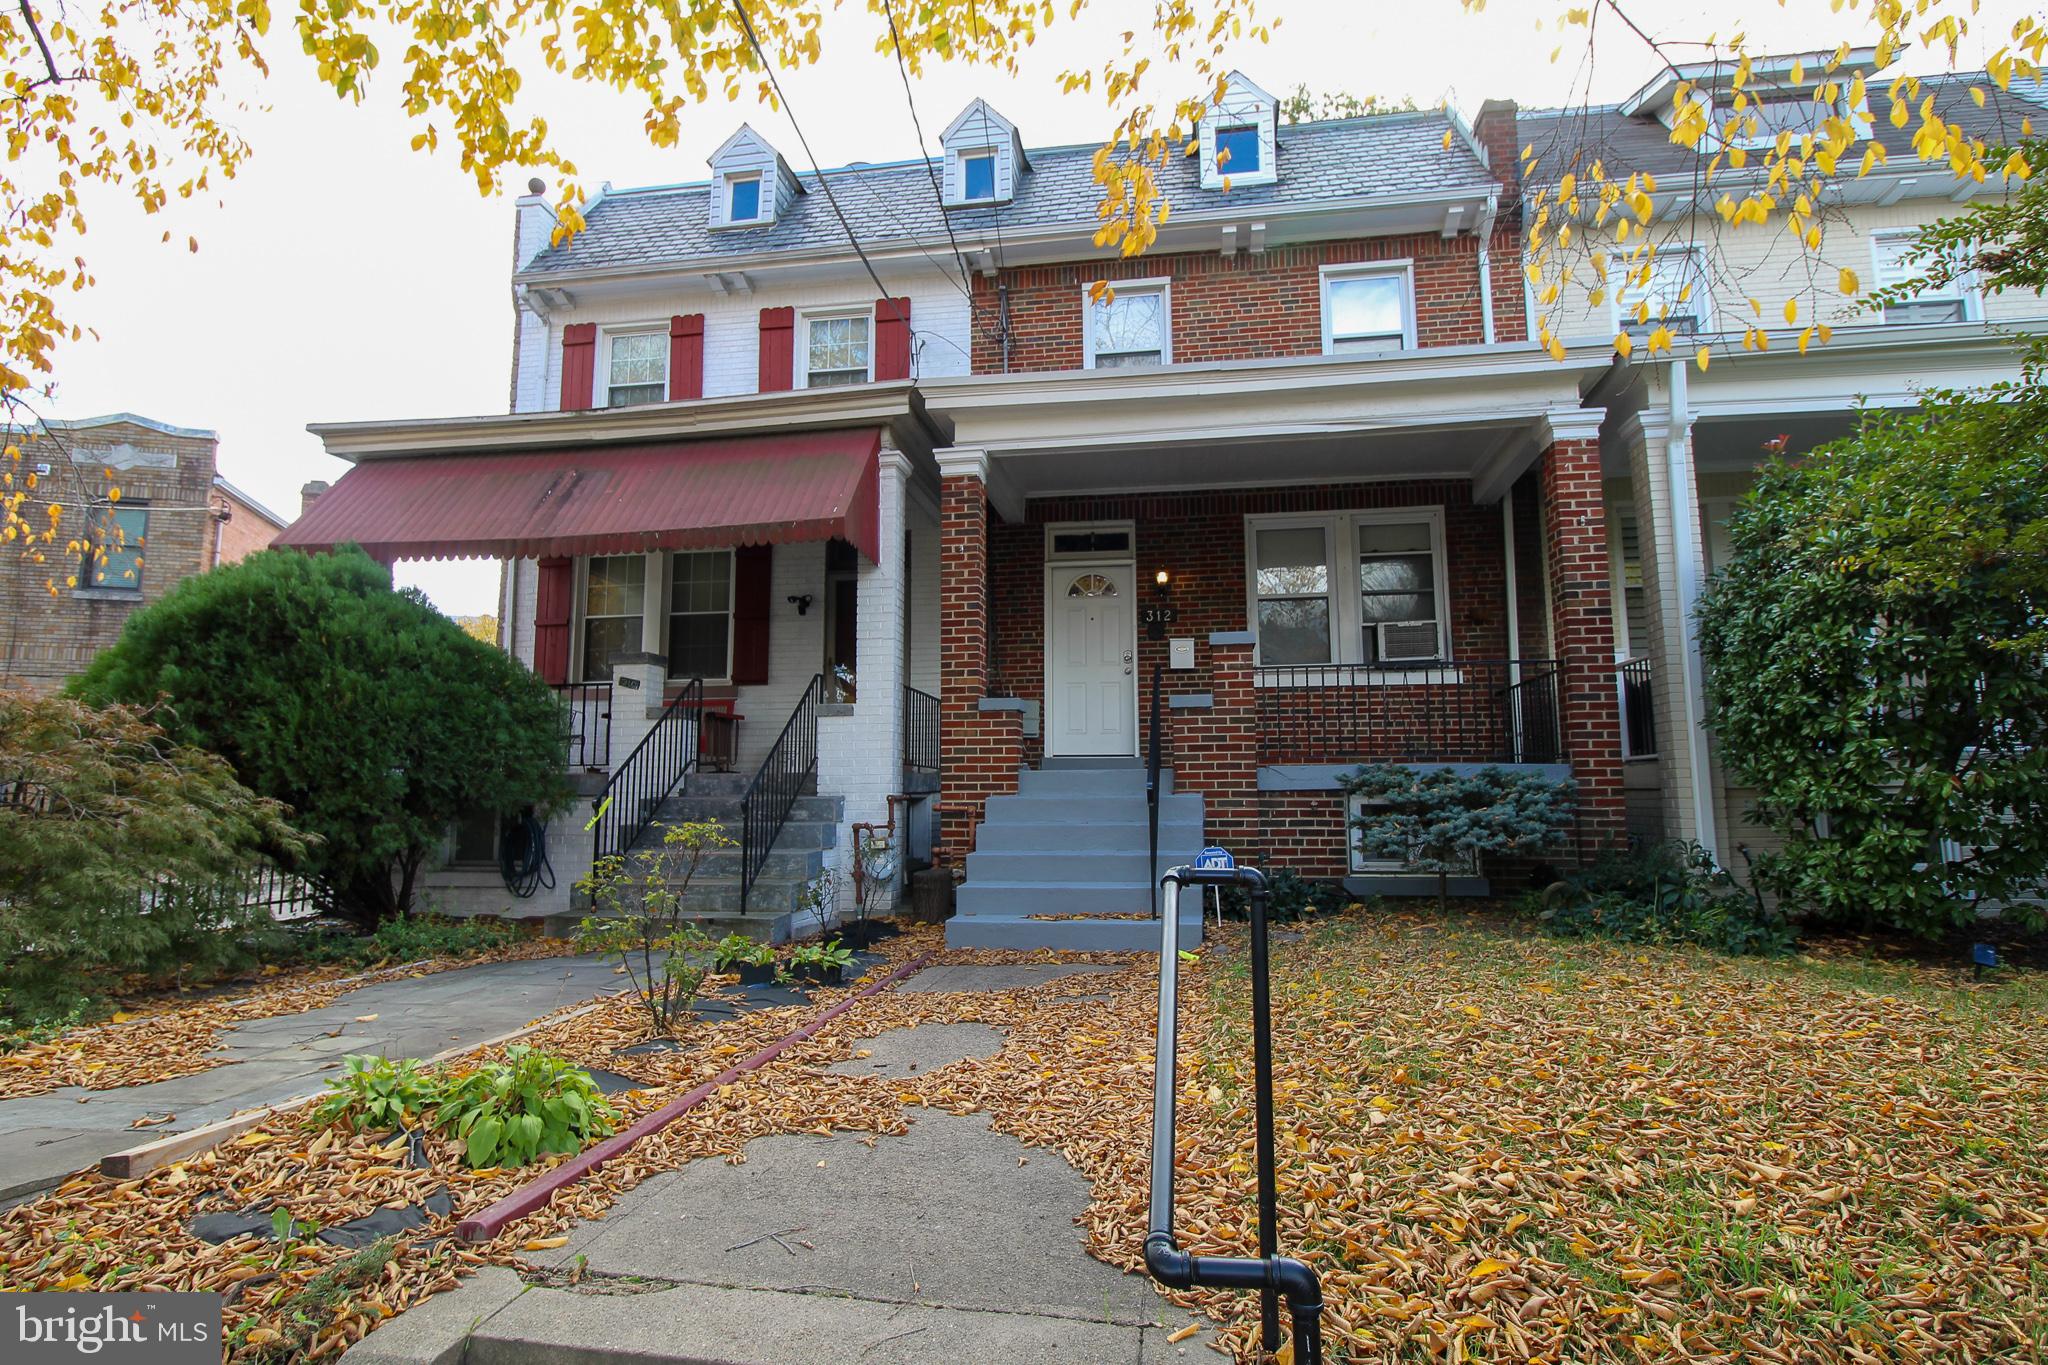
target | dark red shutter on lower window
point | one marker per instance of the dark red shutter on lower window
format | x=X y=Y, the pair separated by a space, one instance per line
x=752 y=569
x=551 y=620
x=892 y=338
x=685 y=357
x=579 y=365
x=778 y=349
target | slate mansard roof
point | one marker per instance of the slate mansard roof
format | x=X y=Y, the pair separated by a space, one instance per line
x=1382 y=156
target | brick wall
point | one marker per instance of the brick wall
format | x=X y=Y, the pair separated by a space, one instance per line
x=244 y=532
x=1575 y=535
x=1245 y=306
x=49 y=629
x=979 y=751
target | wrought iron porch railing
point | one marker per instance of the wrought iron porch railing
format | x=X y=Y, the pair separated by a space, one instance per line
x=778 y=783
x=1638 y=709
x=626 y=806
x=920 y=731
x=1470 y=711
x=587 y=712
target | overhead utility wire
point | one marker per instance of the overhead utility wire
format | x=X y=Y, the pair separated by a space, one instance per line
x=917 y=125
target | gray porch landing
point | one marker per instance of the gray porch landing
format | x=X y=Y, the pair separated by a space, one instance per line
x=1071 y=842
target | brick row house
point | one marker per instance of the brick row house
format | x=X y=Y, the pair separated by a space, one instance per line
x=955 y=559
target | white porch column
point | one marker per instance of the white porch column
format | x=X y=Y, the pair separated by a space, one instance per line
x=860 y=755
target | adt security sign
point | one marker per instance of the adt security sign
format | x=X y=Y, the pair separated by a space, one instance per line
x=1214 y=859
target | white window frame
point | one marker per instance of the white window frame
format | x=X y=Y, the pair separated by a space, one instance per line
x=803 y=339
x=1404 y=268
x=668 y=609
x=1964 y=285
x=613 y=335
x=995 y=171
x=1159 y=284
x=1250 y=123
x=1054 y=529
x=1364 y=865
x=762 y=204
x=579 y=616
x=1621 y=313
x=1347 y=625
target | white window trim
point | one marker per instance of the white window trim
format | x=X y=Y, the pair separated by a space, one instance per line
x=1340 y=537
x=579 y=613
x=804 y=319
x=1620 y=316
x=611 y=335
x=1161 y=285
x=1405 y=268
x=764 y=203
x=1964 y=285
x=1067 y=528
x=995 y=173
x=1250 y=123
x=668 y=605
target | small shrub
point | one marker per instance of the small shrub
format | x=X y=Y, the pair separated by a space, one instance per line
x=529 y=1106
x=1443 y=820
x=408 y=938
x=377 y=1093
x=642 y=921
x=822 y=955
x=1289 y=896
x=1669 y=893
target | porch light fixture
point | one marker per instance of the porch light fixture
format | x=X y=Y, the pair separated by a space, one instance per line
x=1160 y=580
x=801 y=601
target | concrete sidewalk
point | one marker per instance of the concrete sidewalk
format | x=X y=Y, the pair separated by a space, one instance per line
x=949 y=1243
x=44 y=1138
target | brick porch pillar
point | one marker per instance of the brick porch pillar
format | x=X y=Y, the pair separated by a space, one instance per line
x=979 y=751
x=1216 y=750
x=1582 y=625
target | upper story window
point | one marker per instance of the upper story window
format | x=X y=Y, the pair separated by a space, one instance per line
x=1237 y=150
x=1392 y=610
x=1367 y=309
x=837 y=350
x=114 y=544
x=636 y=369
x=743 y=199
x=1955 y=301
x=1239 y=136
x=614 y=603
x=1132 y=326
x=978 y=176
x=700 y=614
x=1677 y=295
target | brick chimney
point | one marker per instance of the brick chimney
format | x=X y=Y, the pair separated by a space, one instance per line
x=1496 y=132
x=309 y=493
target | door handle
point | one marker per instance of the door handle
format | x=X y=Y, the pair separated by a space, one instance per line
x=1127 y=662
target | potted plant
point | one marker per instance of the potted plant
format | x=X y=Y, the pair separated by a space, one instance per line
x=822 y=964
x=754 y=961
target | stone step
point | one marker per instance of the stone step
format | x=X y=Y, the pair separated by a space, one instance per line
x=1101 y=836
x=1054 y=896
x=1088 y=781
x=805 y=808
x=1067 y=935
x=1118 y=867
x=807 y=834
x=1091 y=809
x=785 y=862
x=721 y=896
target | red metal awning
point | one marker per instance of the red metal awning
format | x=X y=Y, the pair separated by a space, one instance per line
x=743 y=490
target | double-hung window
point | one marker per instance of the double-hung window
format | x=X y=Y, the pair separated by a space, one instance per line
x=1389 y=610
x=1367 y=310
x=614 y=603
x=1676 y=295
x=700 y=614
x=636 y=370
x=837 y=350
x=1950 y=302
x=114 y=544
x=1131 y=326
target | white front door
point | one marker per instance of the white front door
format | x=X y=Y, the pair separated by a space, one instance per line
x=1091 y=660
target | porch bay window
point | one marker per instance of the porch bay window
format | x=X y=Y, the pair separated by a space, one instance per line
x=1390 y=613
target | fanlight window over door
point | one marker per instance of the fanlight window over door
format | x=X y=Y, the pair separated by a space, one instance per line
x=1091 y=585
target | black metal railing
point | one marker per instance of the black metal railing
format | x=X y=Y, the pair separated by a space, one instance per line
x=626 y=806
x=1638 y=710
x=1471 y=711
x=920 y=731
x=778 y=783
x=587 y=717
x=1152 y=747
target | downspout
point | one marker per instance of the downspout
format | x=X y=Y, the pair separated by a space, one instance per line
x=1685 y=522
x=1484 y=232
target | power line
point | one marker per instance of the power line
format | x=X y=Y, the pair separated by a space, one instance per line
x=938 y=194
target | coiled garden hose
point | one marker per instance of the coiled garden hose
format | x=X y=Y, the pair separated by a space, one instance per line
x=523 y=856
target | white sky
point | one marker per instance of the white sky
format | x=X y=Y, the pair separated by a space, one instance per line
x=347 y=278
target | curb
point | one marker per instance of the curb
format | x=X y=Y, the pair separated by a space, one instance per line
x=536 y=1194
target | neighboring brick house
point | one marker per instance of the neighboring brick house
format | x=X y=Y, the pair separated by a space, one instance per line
x=174 y=517
x=1300 y=463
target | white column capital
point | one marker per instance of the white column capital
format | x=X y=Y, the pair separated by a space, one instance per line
x=1573 y=424
x=962 y=462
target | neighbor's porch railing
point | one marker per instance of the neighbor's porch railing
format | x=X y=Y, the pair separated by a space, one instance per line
x=587 y=710
x=920 y=731
x=780 y=780
x=1638 y=709
x=1471 y=711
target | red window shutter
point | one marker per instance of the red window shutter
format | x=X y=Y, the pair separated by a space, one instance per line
x=685 y=357
x=579 y=365
x=892 y=339
x=752 y=568
x=551 y=620
x=778 y=349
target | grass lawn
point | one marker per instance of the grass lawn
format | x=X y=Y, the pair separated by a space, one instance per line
x=1501 y=1146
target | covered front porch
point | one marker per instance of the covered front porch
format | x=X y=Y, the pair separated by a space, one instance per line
x=725 y=602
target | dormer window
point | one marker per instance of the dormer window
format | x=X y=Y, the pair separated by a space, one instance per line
x=743 y=199
x=1237 y=150
x=977 y=176
x=1239 y=137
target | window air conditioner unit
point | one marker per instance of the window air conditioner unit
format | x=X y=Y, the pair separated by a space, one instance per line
x=1407 y=640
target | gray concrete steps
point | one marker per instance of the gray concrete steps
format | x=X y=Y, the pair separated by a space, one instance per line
x=1090 y=866
x=1099 y=836
x=1046 y=808
x=1067 y=935
x=724 y=808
